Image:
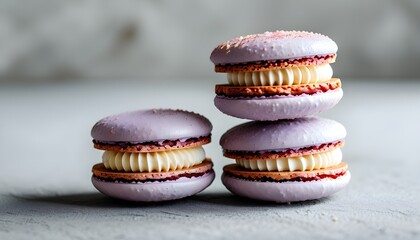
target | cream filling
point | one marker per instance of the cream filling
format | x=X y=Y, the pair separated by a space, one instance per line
x=303 y=163
x=153 y=161
x=285 y=76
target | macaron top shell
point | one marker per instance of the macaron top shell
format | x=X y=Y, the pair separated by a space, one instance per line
x=279 y=45
x=150 y=126
x=282 y=134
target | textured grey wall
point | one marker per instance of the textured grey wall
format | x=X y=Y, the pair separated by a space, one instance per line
x=44 y=40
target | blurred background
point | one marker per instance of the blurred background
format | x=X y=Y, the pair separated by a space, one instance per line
x=66 y=64
x=56 y=40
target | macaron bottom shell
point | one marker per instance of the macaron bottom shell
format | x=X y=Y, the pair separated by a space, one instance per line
x=155 y=191
x=285 y=191
x=276 y=108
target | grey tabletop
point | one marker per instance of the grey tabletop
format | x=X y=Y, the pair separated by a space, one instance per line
x=47 y=154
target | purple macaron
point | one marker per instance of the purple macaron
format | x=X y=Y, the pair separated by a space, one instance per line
x=276 y=75
x=152 y=155
x=285 y=160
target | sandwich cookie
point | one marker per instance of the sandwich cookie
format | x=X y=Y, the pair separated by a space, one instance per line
x=276 y=75
x=152 y=155
x=285 y=160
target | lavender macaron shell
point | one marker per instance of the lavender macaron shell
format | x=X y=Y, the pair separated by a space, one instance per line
x=151 y=125
x=282 y=134
x=268 y=46
x=270 y=109
x=285 y=191
x=155 y=191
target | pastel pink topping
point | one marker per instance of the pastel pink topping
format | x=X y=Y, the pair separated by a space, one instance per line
x=282 y=134
x=271 y=46
x=151 y=125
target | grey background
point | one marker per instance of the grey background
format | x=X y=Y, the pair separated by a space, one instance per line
x=66 y=64
x=44 y=40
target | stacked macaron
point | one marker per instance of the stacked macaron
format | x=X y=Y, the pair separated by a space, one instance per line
x=276 y=75
x=152 y=155
x=281 y=79
x=285 y=160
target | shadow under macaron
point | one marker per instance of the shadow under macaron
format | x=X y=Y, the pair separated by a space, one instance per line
x=93 y=200
x=98 y=200
x=229 y=199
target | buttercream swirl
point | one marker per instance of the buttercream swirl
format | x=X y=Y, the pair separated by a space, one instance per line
x=153 y=161
x=285 y=76
x=302 y=163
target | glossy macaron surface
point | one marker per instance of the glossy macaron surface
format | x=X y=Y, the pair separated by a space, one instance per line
x=279 y=45
x=285 y=191
x=281 y=107
x=282 y=134
x=155 y=191
x=151 y=125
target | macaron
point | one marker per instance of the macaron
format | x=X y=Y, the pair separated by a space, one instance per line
x=285 y=160
x=152 y=155
x=276 y=75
